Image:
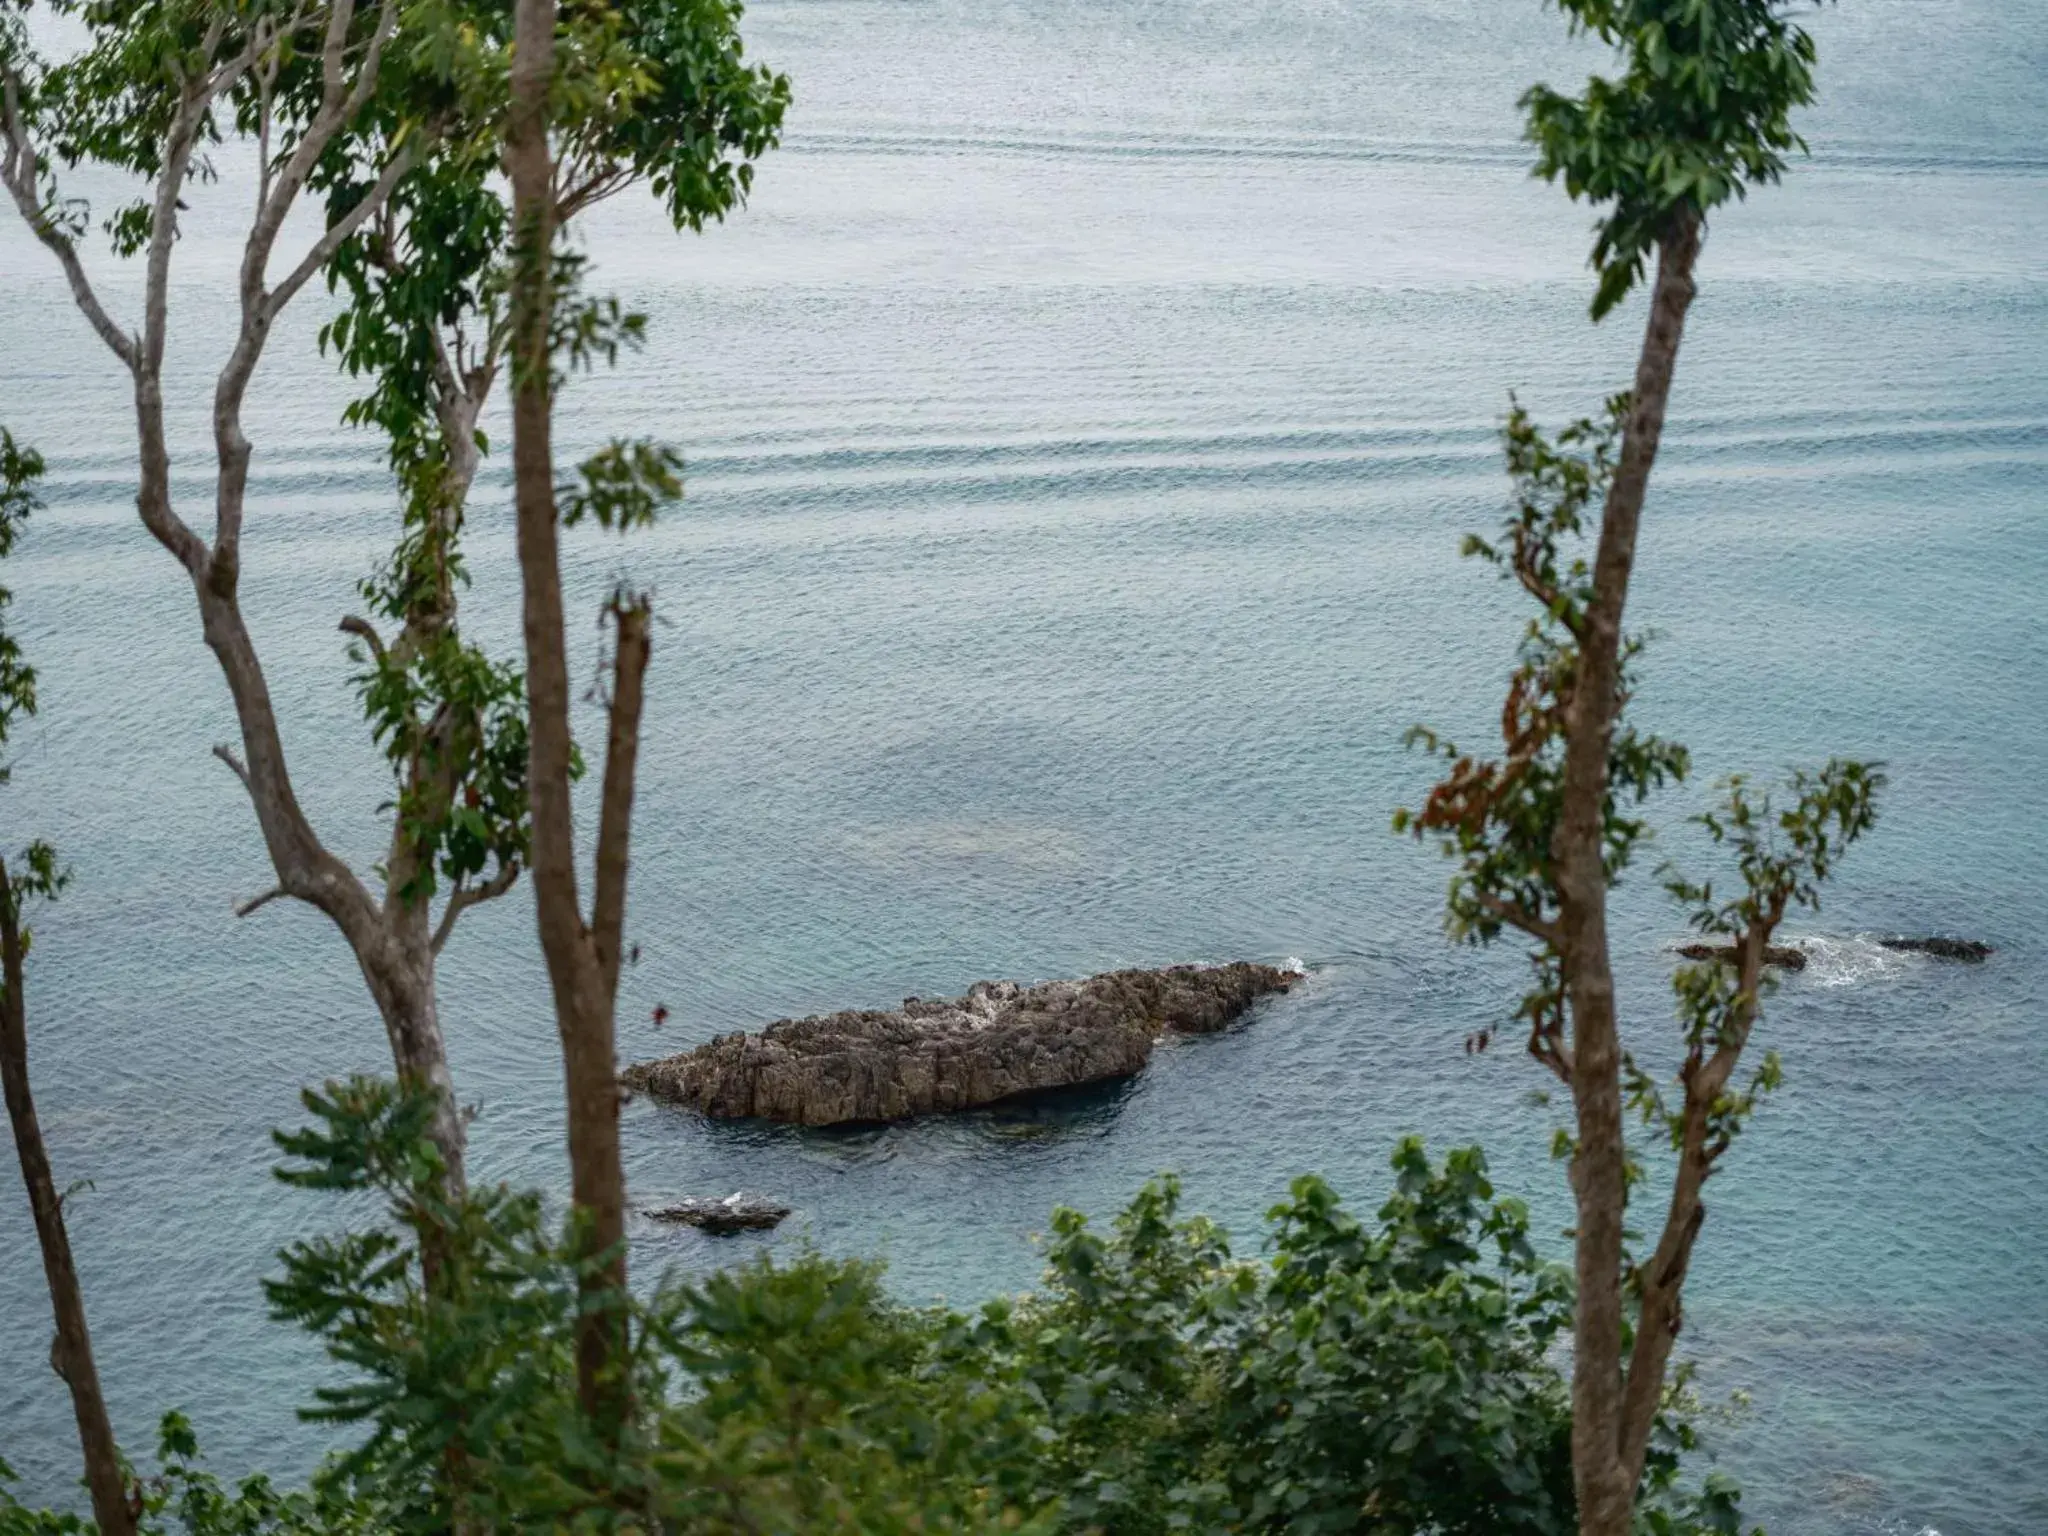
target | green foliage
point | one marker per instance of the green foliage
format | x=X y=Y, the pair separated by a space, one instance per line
x=789 y=1398
x=1406 y=1365
x=476 y=1369
x=452 y=723
x=655 y=92
x=1497 y=817
x=1699 y=113
x=811 y=1402
x=1782 y=857
x=703 y=115
x=1382 y=1377
x=623 y=485
x=184 y=1499
x=20 y=469
x=17 y=1519
x=36 y=873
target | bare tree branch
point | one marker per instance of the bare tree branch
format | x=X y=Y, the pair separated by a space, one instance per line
x=633 y=618
x=463 y=897
x=1515 y=915
x=365 y=631
x=153 y=492
x=18 y=170
x=594 y=186
x=447 y=369
x=256 y=901
x=339 y=103
x=324 y=249
x=179 y=144
x=226 y=754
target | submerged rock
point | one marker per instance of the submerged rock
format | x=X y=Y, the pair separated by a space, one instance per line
x=1784 y=956
x=936 y=1054
x=1944 y=949
x=737 y=1212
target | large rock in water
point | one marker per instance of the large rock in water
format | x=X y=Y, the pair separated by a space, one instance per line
x=1000 y=1040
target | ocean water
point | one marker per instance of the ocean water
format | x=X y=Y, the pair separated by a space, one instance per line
x=1081 y=423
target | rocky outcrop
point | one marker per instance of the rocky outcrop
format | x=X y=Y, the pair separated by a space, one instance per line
x=1783 y=956
x=737 y=1212
x=1001 y=1040
x=1941 y=949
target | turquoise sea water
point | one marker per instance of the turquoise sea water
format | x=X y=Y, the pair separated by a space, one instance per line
x=1081 y=424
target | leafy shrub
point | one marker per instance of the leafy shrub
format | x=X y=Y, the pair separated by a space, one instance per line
x=1385 y=1378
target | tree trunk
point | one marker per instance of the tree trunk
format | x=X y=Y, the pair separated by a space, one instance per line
x=71 y=1354
x=583 y=980
x=391 y=943
x=401 y=980
x=1603 y=1476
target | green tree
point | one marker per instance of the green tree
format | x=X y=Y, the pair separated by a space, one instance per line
x=553 y=136
x=153 y=91
x=1699 y=112
x=391 y=115
x=767 y=1398
x=1381 y=1378
x=1377 y=1377
x=1385 y=1376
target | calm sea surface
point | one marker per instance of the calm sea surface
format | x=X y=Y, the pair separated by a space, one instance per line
x=1081 y=424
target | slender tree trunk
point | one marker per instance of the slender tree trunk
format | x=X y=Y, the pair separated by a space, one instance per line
x=401 y=980
x=1604 y=1476
x=391 y=943
x=582 y=965
x=71 y=1353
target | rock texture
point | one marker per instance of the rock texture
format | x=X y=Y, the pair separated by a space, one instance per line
x=1944 y=949
x=1001 y=1040
x=1784 y=956
x=737 y=1212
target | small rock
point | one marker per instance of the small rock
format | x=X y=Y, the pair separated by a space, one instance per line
x=1784 y=956
x=737 y=1212
x=1942 y=949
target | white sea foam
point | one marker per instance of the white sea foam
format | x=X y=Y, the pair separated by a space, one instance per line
x=1849 y=961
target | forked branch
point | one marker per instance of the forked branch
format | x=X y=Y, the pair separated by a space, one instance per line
x=463 y=897
x=18 y=165
x=226 y=754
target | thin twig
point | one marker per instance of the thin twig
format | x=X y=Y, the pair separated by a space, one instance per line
x=227 y=755
x=463 y=897
x=256 y=901
x=18 y=170
x=364 y=630
x=1515 y=915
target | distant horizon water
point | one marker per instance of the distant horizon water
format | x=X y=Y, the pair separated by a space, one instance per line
x=1081 y=422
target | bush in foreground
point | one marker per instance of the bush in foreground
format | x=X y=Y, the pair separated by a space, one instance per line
x=1396 y=1375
